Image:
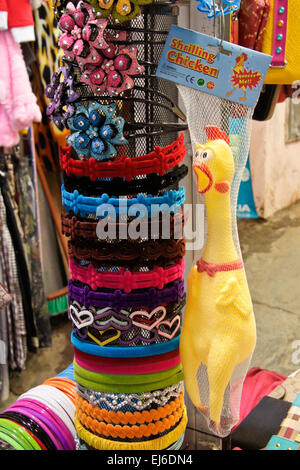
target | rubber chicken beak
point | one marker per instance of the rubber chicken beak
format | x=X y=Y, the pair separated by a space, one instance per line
x=204 y=177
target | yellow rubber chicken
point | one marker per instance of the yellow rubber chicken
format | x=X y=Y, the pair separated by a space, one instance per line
x=219 y=326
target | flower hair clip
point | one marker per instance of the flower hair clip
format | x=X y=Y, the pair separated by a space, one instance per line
x=62 y=96
x=82 y=34
x=120 y=10
x=114 y=73
x=96 y=133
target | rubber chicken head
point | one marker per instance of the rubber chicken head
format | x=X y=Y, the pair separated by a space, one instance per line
x=214 y=163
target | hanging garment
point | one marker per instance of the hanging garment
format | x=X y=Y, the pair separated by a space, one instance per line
x=23 y=276
x=17 y=18
x=27 y=211
x=16 y=330
x=18 y=107
x=253 y=18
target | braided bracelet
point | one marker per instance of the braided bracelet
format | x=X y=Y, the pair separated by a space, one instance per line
x=84 y=205
x=159 y=161
x=138 y=417
x=150 y=183
x=126 y=251
x=131 y=366
x=130 y=401
x=150 y=444
x=129 y=432
x=126 y=280
x=154 y=228
x=107 y=327
x=118 y=300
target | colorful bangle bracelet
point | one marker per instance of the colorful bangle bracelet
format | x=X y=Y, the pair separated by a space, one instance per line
x=31 y=427
x=150 y=444
x=131 y=366
x=155 y=229
x=7 y=438
x=107 y=327
x=159 y=161
x=36 y=413
x=77 y=203
x=118 y=300
x=42 y=437
x=129 y=432
x=126 y=280
x=130 y=401
x=126 y=251
x=68 y=387
x=146 y=416
x=46 y=429
x=52 y=420
x=25 y=439
x=150 y=183
x=56 y=401
x=121 y=352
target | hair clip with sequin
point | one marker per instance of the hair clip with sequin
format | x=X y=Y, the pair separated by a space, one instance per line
x=82 y=34
x=96 y=133
x=62 y=95
x=114 y=73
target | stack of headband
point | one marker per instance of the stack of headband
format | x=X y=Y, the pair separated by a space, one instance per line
x=122 y=167
x=42 y=418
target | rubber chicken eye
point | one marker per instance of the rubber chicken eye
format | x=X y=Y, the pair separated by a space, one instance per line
x=206 y=154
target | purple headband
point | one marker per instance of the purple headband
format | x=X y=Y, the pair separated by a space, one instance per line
x=118 y=300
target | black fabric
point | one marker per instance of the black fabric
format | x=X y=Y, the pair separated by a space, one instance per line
x=265 y=105
x=255 y=431
x=23 y=275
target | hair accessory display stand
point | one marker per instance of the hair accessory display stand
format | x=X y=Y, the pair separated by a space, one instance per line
x=126 y=297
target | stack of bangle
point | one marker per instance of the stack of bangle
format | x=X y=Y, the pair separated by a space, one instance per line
x=123 y=212
x=42 y=418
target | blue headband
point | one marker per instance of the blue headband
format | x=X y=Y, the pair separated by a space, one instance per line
x=85 y=205
x=120 y=351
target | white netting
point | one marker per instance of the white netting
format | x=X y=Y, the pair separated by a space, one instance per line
x=218 y=336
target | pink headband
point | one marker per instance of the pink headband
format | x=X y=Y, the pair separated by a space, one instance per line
x=126 y=280
x=144 y=365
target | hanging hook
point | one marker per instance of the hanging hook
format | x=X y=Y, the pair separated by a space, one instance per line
x=222 y=25
x=215 y=16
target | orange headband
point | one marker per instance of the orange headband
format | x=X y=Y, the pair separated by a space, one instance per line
x=116 y=431
x=129 y=418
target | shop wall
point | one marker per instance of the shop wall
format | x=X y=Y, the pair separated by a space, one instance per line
x=275 y=163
